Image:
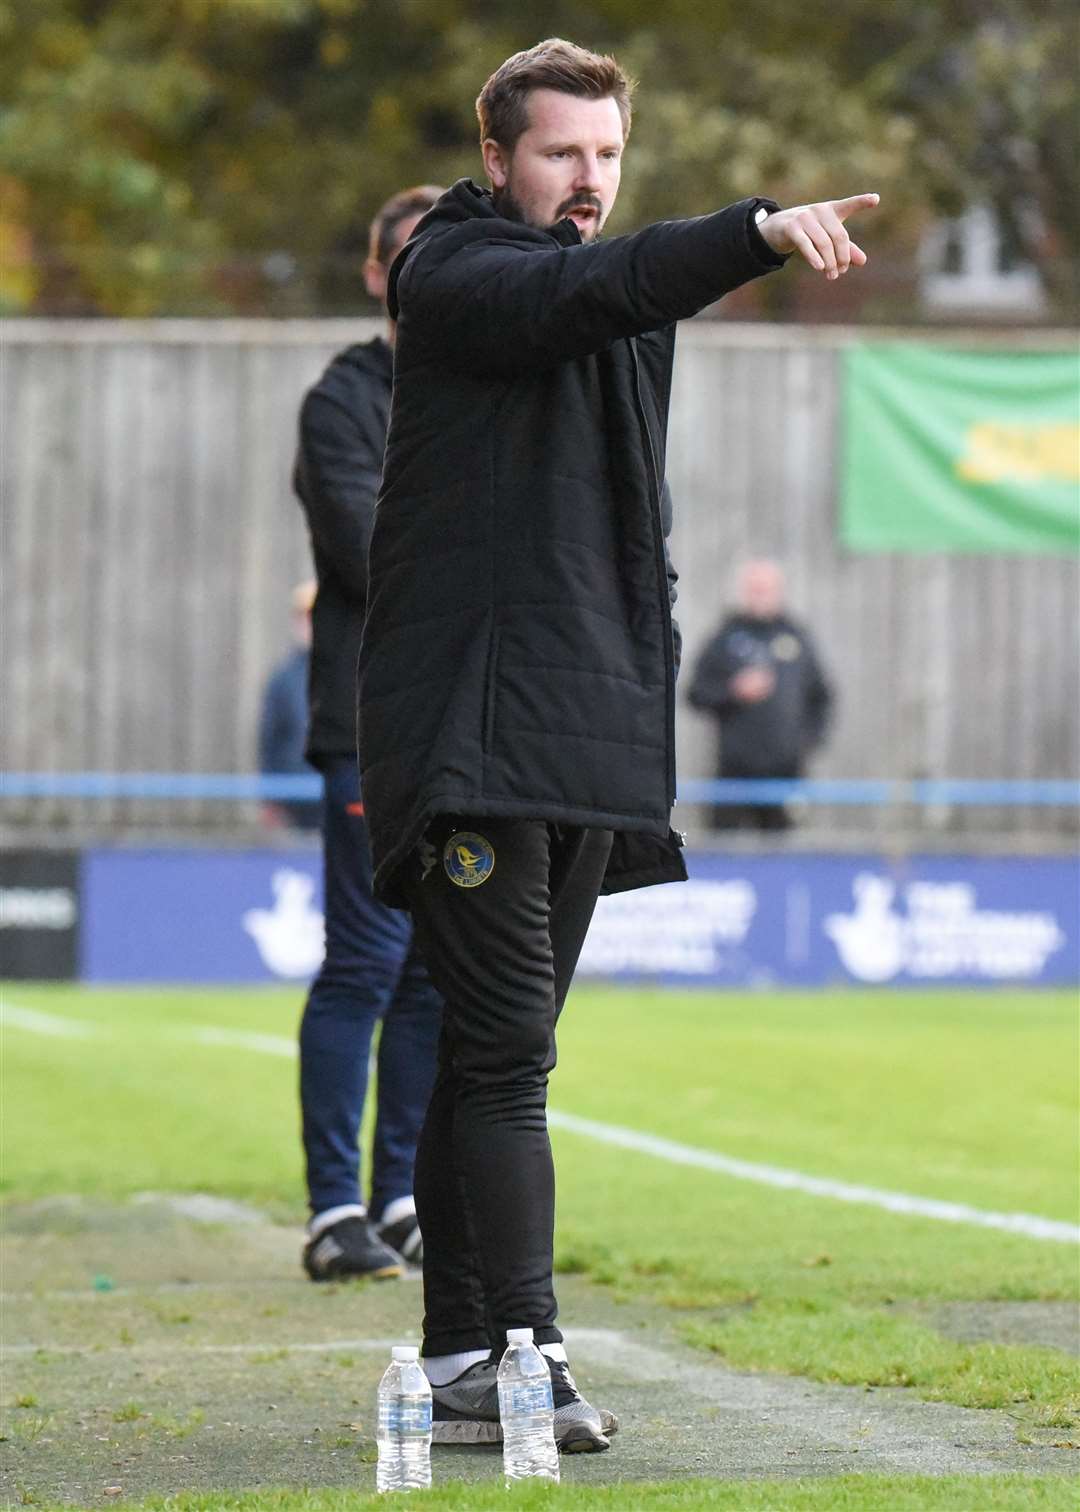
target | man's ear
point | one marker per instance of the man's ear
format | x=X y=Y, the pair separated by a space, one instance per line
x=496 y=163
x=375 y=279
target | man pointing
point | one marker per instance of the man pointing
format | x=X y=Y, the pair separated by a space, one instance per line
x=519 y=655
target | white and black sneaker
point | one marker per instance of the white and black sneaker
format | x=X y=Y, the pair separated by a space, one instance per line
x=402 y=1234
x=466 y=1411
x=347 y=1249
x=580 y=1428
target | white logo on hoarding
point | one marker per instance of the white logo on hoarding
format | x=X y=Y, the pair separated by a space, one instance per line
x=290 y=937
x=37 y=908
x=943 y=934
x=869 y=941
x=683 y=929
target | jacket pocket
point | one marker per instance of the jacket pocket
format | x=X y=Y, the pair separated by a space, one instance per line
x=490 y=687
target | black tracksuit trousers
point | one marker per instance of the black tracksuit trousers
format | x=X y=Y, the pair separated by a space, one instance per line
x=502 y=952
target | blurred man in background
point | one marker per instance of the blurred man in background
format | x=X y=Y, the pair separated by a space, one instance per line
x=518 y=661
x=760 y=679
x=371 y=972
x=283 y=720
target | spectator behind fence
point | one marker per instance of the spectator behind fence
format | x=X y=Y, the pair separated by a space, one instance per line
x=283 y=720
x=372 y=971
x=760 y=679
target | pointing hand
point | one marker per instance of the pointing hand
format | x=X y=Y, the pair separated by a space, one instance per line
x=817 y=233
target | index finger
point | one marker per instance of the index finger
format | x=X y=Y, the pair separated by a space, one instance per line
x=846 y=207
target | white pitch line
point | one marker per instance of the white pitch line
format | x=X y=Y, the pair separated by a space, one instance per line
x=264 y=1346
x=244 y=1039
x=1029 y=1225
x=410 y=1276
x=44 y=1023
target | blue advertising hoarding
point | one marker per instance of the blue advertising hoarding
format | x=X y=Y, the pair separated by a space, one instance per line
x=786 y=920
x=201 y=916
x=811 y=920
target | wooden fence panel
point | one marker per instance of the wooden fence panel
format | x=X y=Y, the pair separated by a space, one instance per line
x=151 y=540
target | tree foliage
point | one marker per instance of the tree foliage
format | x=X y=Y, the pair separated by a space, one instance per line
x=180 y=156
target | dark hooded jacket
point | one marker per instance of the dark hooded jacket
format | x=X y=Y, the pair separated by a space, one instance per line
x=518 y=658
x=773 y=736
x=339 y=460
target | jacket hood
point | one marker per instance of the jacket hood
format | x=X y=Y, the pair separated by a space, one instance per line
x=466 y=203
x=462 y=202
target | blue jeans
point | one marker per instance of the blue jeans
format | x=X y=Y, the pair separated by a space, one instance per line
x=372 y=972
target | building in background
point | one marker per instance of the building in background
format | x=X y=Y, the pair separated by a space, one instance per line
x=970 y=267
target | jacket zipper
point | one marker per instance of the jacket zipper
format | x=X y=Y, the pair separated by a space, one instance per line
x=489 y=692
x=661 y=570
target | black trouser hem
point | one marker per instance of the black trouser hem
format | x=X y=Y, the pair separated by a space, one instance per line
x=466 y=1340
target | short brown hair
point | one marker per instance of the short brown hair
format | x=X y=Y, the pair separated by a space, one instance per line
x=399 y=207
x=502 y=105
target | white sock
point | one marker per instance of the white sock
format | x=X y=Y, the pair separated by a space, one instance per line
x=330 y=1216
x=442 y=1369
x=556 y=1352
x=401 y=1207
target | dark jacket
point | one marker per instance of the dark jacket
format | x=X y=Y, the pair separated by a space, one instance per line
x=343 y=423
x=518 y=656
x=770 y=738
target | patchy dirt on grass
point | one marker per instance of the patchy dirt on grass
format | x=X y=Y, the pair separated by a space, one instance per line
x=1055 y=1325
x=166 y=1344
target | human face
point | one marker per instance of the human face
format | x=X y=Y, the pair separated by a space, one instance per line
x=376 y=273
x=566 y=163
x=761 y=589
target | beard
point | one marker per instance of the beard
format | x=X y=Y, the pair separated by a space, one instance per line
x=511 y=208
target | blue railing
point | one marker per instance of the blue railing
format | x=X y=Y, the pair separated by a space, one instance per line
x=230 y=787
x=924 y=792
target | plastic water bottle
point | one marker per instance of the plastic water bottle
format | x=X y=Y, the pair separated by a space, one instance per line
x=404 y=1423
x=526 y=1410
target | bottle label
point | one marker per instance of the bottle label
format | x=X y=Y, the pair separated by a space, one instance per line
x=406 y=1417
x=528 y=1397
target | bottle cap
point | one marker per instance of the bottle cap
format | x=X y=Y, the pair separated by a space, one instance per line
x=405 y=1352
x=519 y=1335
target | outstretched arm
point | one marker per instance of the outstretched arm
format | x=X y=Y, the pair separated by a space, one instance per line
x=518 y=303
x=503 y=306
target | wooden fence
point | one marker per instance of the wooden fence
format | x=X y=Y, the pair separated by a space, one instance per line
x=151 y=540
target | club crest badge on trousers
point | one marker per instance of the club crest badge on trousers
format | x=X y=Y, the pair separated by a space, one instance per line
x=468 y=859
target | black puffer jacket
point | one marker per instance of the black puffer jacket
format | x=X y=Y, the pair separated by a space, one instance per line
x=343 y=423
x=773 y=736
x=518 y=655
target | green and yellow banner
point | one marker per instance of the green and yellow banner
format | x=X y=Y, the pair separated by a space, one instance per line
x=960 y=451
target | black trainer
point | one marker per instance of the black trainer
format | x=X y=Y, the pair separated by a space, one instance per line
x=347 y=1248
x=466 y=1411
x=404 y=1238
x=579 y=1427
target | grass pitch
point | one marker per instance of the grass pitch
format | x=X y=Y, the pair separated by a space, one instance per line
x=959 y=1096
x=1006 y=1493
